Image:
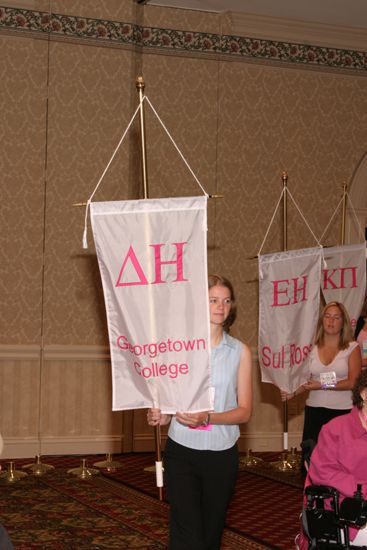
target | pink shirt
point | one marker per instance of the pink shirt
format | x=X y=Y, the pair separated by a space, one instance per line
x=340 y=456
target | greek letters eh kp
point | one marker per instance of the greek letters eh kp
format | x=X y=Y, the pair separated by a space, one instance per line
x=288 y=292
x=291 y=291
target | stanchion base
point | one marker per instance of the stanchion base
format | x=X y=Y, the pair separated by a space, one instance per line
x=83 y=472
x=282 y=465
x=12 y=475
x=108 y=464
x=294 y=458
x=38 y=468
x=249 y=460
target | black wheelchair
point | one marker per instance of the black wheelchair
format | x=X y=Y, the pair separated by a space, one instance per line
x=326 y=522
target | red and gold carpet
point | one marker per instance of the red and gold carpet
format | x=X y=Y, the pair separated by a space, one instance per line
x=121 y=510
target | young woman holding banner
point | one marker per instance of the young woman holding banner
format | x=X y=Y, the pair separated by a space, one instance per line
x=335 y=364
x=201 y=456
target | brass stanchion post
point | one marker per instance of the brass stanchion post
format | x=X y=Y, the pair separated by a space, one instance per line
x=140 y=86
x=285 y=247
x=344 y=214
x=283 y=464
x=38 y=468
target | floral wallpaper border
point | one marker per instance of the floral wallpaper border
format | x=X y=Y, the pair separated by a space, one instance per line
x=120 y=33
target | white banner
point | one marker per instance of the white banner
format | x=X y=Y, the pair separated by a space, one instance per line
x=289 y=298
x=344 y=278
x=153 y=263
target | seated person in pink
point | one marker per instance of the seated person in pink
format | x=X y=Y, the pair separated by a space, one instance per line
x=340 y=456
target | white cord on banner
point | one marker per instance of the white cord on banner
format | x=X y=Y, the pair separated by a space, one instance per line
x=302 y=216
x=85 y=240
x=304 y=219
x=177 y=149
x=271 y=221
x=313 y=234
x=85 y=243
x=332 y=217
x=354 y=213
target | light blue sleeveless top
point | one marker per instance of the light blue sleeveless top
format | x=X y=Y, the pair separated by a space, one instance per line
x=225 y=361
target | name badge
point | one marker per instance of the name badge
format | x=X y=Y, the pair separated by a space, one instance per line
x=328 y=380
x=208 y=428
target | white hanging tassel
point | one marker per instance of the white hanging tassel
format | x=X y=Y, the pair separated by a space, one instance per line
x=85 y=241
x=324 y=263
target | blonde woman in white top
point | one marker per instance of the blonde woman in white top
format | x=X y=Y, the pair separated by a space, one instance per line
x=335 y=364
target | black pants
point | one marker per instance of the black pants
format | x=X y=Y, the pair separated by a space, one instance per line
x=199 y=487
x=5 y=543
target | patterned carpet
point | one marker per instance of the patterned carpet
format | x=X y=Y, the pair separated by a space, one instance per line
x=120 y=509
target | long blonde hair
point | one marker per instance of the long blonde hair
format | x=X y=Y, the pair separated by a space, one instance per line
x=346 y=333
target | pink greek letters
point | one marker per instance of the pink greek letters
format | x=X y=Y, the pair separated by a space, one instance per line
x=289 y=291
x=340 y=277
x=173 y=267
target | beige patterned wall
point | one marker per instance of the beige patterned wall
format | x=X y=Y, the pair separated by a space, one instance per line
x=23 y=92
x=239 y=124
x=89 y=107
